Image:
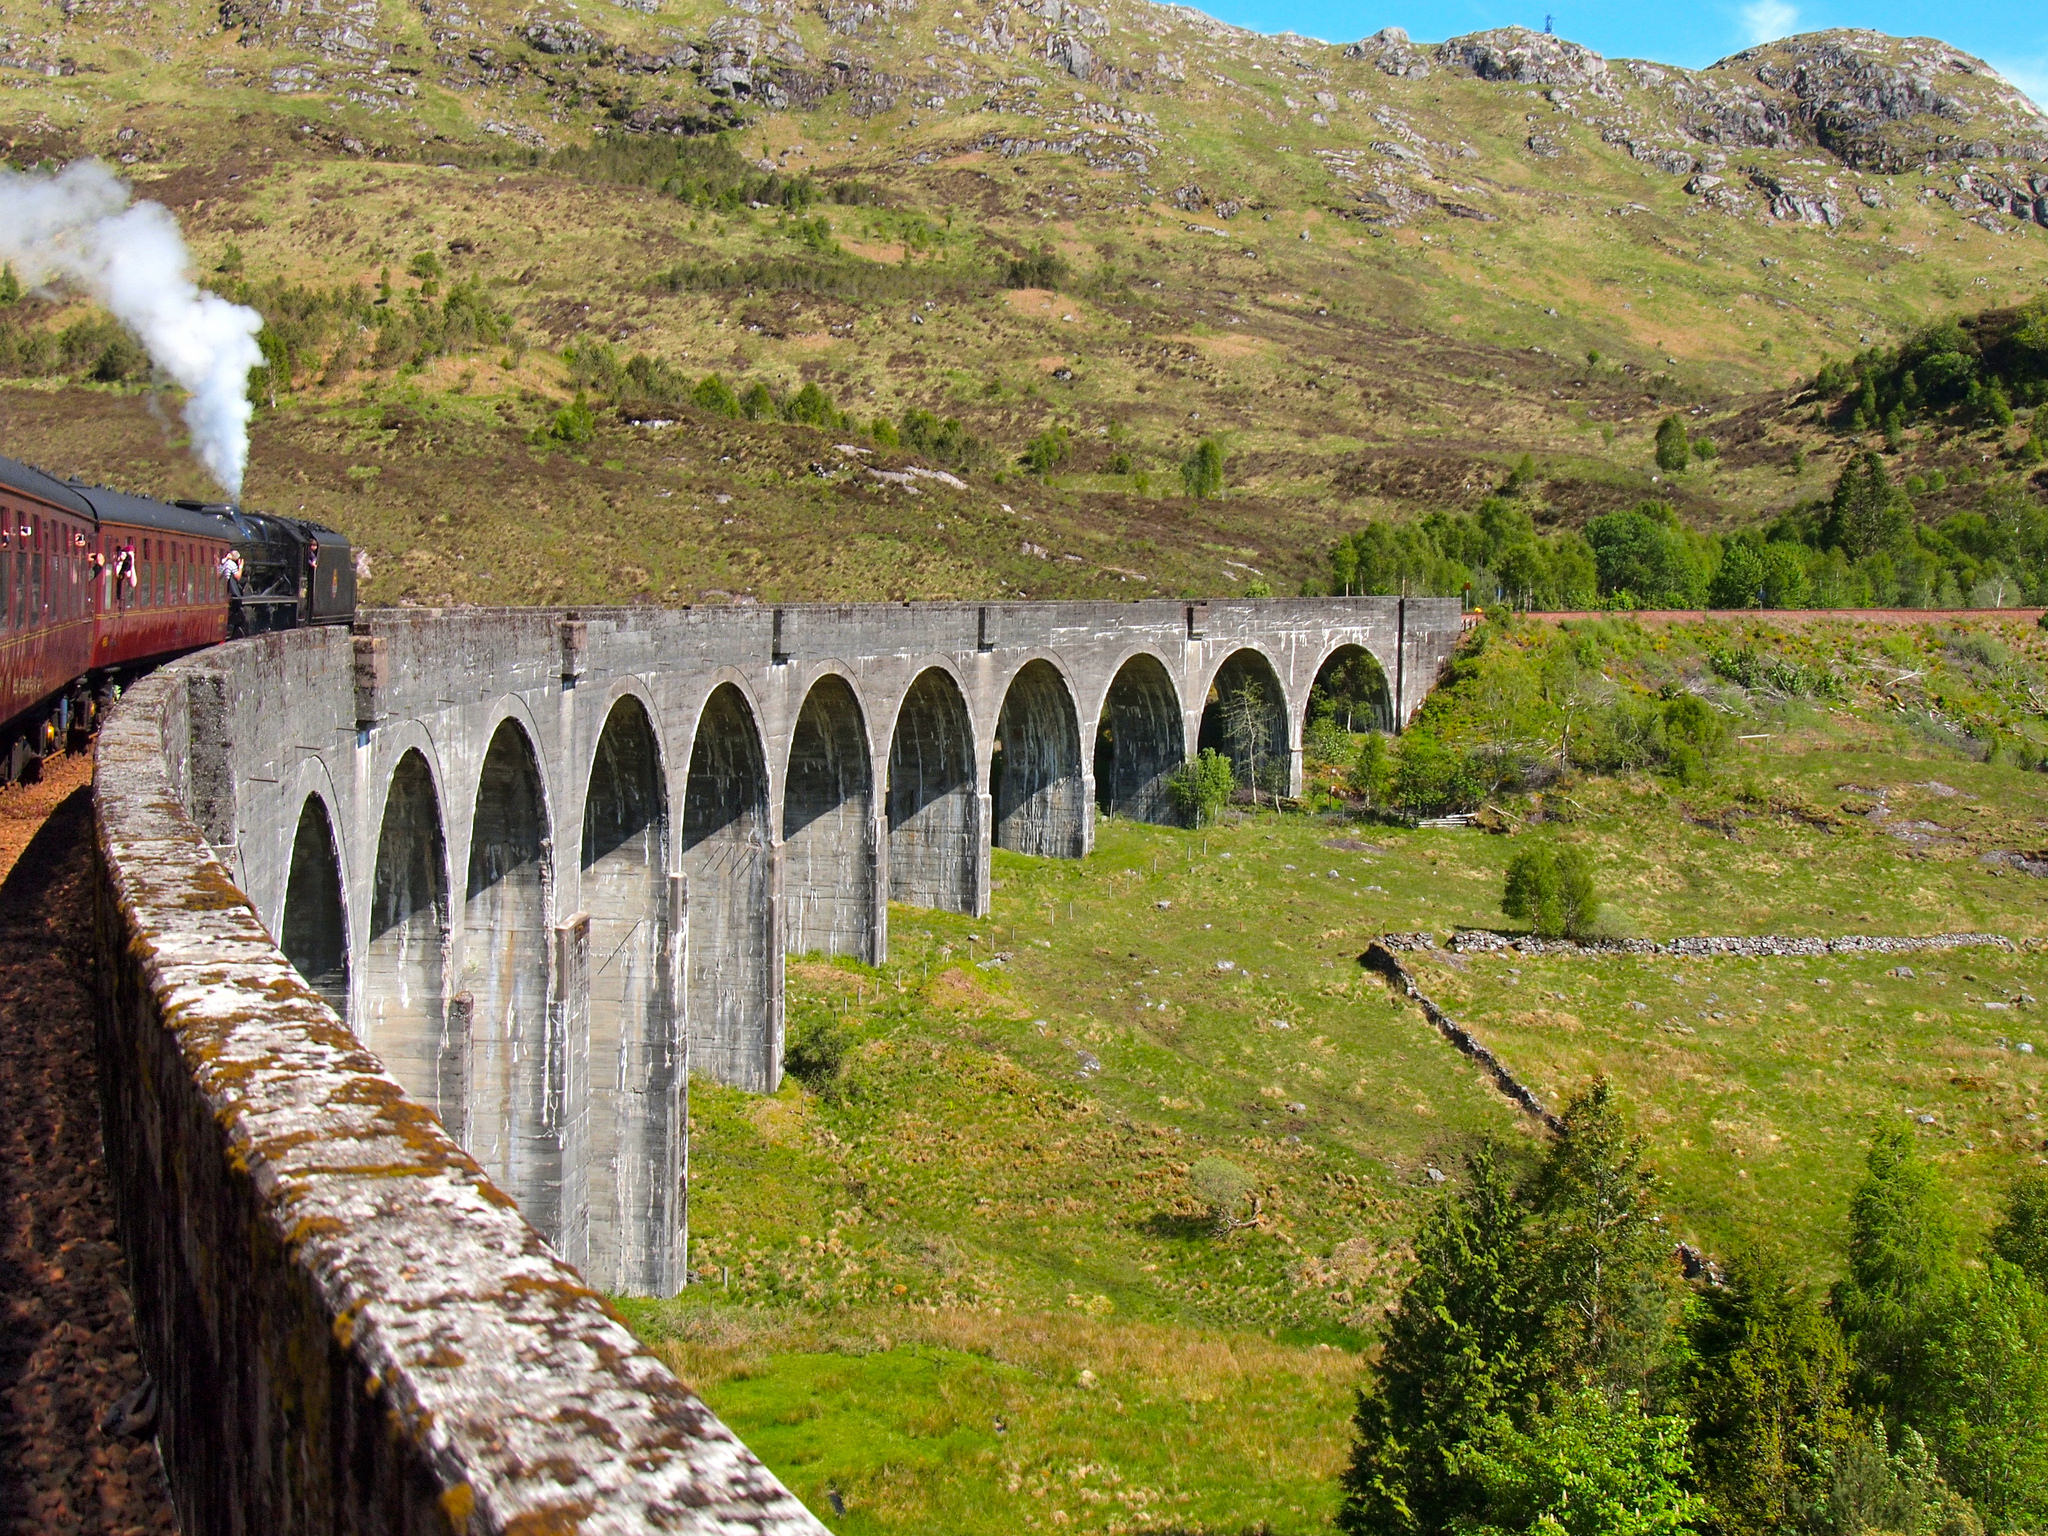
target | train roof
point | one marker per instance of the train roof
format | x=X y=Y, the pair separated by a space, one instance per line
x=146 y=512
x=30 y=481
x=109 y=506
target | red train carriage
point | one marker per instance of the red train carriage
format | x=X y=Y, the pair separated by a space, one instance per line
x=94 y=584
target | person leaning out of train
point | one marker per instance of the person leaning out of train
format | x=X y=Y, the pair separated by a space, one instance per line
x=231 y=571
x=124 y=571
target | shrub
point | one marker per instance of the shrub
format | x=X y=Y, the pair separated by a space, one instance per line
x=758 y=402
x=1673 y=451
x=1201 y=472
x=816 y=1053
x=1431 y=778
x=883 y=431
x=1046 y=452
x=1201 y=787
x=1551 y=889
x=1042 y=268
x=1223 y=1189
x=713 y=394
x=1325 y=742
x=948 y=441
x=1589 y=1468
x=1372 y=770
x=574 y=422
x=10 y=285
x=2021 y=1236
x=811 y=407
x=1691 y=721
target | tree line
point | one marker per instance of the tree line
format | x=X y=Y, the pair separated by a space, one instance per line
x=1861 y=546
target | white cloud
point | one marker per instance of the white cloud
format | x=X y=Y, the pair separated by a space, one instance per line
x=1765 y=21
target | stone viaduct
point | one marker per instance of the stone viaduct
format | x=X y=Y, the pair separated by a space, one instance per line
x=546 y=865
x=543 y=866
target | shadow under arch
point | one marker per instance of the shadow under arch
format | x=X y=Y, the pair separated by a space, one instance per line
x=828 y=827
x=1139 y=741
x=517 y=1090
x=314 y=930
x=1245 y=718
x=1352 y=687
x=405 y=1019
x=728 y=985
x=1035 y=773
x=934 y=811
x=632 y=1144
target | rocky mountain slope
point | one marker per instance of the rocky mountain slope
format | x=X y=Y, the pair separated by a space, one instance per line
x=1377 y=272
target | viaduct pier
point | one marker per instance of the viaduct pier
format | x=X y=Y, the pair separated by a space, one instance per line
x=414 y=932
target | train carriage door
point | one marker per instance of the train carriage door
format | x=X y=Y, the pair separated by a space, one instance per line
x=35 y=570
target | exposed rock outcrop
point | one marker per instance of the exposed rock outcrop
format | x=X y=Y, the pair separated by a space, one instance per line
x=1518 y=56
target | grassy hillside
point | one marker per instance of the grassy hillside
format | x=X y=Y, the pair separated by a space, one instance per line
x=988 y=1218
x=1377 y=275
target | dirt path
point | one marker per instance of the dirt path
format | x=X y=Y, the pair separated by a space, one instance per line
x=67 y=1346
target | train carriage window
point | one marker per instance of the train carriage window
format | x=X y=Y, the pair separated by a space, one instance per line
x=35 y=572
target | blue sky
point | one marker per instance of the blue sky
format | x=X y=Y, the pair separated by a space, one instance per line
x=2011 y=34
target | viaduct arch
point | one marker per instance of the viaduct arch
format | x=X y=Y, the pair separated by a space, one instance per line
x=551 y=861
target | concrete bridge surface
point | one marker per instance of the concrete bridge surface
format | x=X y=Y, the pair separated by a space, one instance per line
x=547 y=864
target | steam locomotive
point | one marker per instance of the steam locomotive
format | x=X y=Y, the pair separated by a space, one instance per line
x=97 y=585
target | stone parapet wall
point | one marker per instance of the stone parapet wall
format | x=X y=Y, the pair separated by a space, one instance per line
x=351 y=1327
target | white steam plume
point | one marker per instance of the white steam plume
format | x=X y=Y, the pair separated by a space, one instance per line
x=82 y=229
